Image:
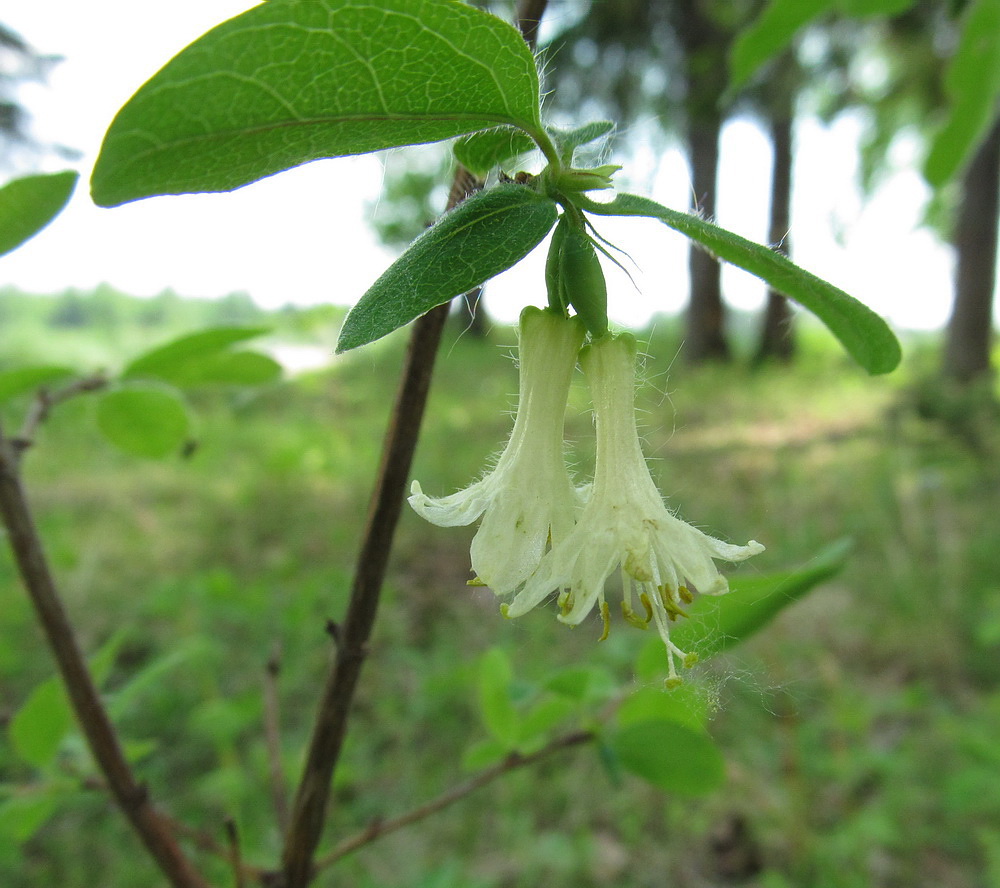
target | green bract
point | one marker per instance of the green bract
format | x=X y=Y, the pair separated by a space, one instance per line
x=291 y=81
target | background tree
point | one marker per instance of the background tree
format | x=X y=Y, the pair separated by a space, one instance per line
x=666 y=64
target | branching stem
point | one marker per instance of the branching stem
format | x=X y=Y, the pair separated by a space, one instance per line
x=131 y=796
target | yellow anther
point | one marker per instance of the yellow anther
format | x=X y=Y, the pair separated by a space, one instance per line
x=606 y=616
x=690 y=660
x=475 y=581
x=503 y=609
x=675 y=681
x=632 y=617
x=685 y=594
x=646 y=603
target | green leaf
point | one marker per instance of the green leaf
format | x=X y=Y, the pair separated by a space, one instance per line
x=684 y=704
x=972 y=83
x=203 y=358
x=670 y=756
x=481 y=152
x=14 y=383
x=582 y=683
x=484 y=235
x=30 y=203
x=291 y=81
x=539 y=721
x=868 y=8
x=26 y=812
x=719 y=623
x=495 y=705
x=38 y=728
x=770 y=34
x=149 y=422
x=567 y=141
x=484 y=753
x=864 y=334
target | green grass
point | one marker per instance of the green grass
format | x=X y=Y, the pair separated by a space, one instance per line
x=859 y=729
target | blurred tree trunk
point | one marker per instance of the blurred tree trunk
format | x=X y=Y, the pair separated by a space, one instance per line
x=705 y=47
x=970 y=328
x=706 y=338
x=776 y=342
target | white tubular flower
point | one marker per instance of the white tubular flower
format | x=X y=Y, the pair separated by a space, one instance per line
x=625 y=524
x=528 y=500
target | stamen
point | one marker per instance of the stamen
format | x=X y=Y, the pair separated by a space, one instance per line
x=685 y=594
x=606 y=616
x=475 y=581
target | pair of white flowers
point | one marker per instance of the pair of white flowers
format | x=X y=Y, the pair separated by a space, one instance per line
x=540 y=534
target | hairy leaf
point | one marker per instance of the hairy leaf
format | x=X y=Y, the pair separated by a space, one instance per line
x=567 y=141
x=972 y=82
x=483 y=151
x=291 y=81
x=484 y=235
x=150 y=422
x=864 y=334
x=30 y=203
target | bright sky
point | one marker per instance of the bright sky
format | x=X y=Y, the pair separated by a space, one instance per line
x=302 y=236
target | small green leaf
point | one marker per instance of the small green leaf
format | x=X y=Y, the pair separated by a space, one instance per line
x=173 y=359
x=227 y=368
x=30 y=203
x=484 y=753
x=483 y=151
x=567 y=141
x=539 y=721
x=149 y=422
x=770 y=34
x=684 y=704
x=484 y=235
x=972 y=82
x=581 y=683
x=869 y=8
x=39 y=726
x=14 y=383
x=26 y=812
x=864 y=334
x=291 y=81
x=495 y=705
x=670 y=756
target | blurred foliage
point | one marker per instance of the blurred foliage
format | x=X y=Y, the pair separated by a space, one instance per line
x=858 y=730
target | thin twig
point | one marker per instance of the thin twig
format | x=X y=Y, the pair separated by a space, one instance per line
x=272 y=735
x=379 y=828
x=235 y=854
x=131 y=796
x=310 y=805
x=45 y=400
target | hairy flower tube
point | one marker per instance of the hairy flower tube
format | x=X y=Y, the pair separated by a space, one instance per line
x=625 y=525
x=528 y=501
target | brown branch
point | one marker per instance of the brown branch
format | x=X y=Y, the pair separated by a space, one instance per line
x=272 y=735
x=379 y=828
x=43 y=403
x=310 y=805
x=132 y=797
